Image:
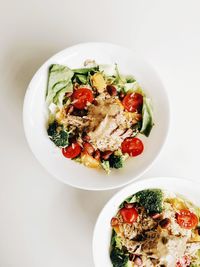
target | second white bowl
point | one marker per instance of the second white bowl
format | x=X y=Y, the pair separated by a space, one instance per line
x=103 y=230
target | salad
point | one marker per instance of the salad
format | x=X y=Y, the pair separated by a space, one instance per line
x=96 y=114
x=156 y=228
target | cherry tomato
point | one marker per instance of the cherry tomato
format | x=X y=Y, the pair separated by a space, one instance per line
x=187 y=219
x=133 y=102
x=133 y=146
x=81 y=96
x=87 y=147
x=183 y=262
x=72 y=151
x=129 y=215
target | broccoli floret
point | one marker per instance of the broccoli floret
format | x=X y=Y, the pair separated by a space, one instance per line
x=116 y=241
x=151 y=200
x=116 y=161
x=58 y=134
x=106 y=166
x=119 y=255
x=119 y=258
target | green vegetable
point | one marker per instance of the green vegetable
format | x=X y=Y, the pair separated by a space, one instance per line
x=106 y=165
x=59 y=80
x=116 y=241
x=116 y=161
x=85 y=71
x=81 y=78
x=119 y=258
x=58 y=134
x=130 y=79
x=197 y=210
x=120 y=154
x=196 y=262
x=120 y=80
x=58 y=98
x=147 y=117
x=133 y=87
x=137 y=127
x=151 y=200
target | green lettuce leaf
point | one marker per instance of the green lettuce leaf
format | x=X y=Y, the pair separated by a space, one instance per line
x=83 y=79
x=58 y=98
x=147 y=117
x=59 y=80
x=85 y=71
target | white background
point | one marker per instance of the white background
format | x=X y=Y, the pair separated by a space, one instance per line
x=44 y=223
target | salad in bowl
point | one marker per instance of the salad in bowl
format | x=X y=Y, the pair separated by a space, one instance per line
x=96 y=114
x=155 y=227
x=84 y=115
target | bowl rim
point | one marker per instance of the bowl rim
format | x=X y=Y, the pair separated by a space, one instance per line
x=168 y=109
x=117 y=195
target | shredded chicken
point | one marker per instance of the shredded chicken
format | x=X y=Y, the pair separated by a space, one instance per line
x=109 y=124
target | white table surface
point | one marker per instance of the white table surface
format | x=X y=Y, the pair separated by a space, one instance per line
x=44 y=223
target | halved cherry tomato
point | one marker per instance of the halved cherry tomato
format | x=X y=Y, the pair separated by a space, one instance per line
x=129 y=215
x=72 y=151
x=81 y=96
x=133 y=102
x=87 y=147
x=183 y=262
x=133 y=146
x=187 y=219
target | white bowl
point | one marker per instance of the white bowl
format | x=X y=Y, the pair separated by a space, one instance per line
x=102 y=231
x=35 y=117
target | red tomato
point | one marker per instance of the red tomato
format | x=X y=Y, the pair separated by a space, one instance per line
x=72 y=151
x=133 y=146
x=133 y=102
x=184 y=262
x=129 y=215
x=187 y=219
x=81 y=96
